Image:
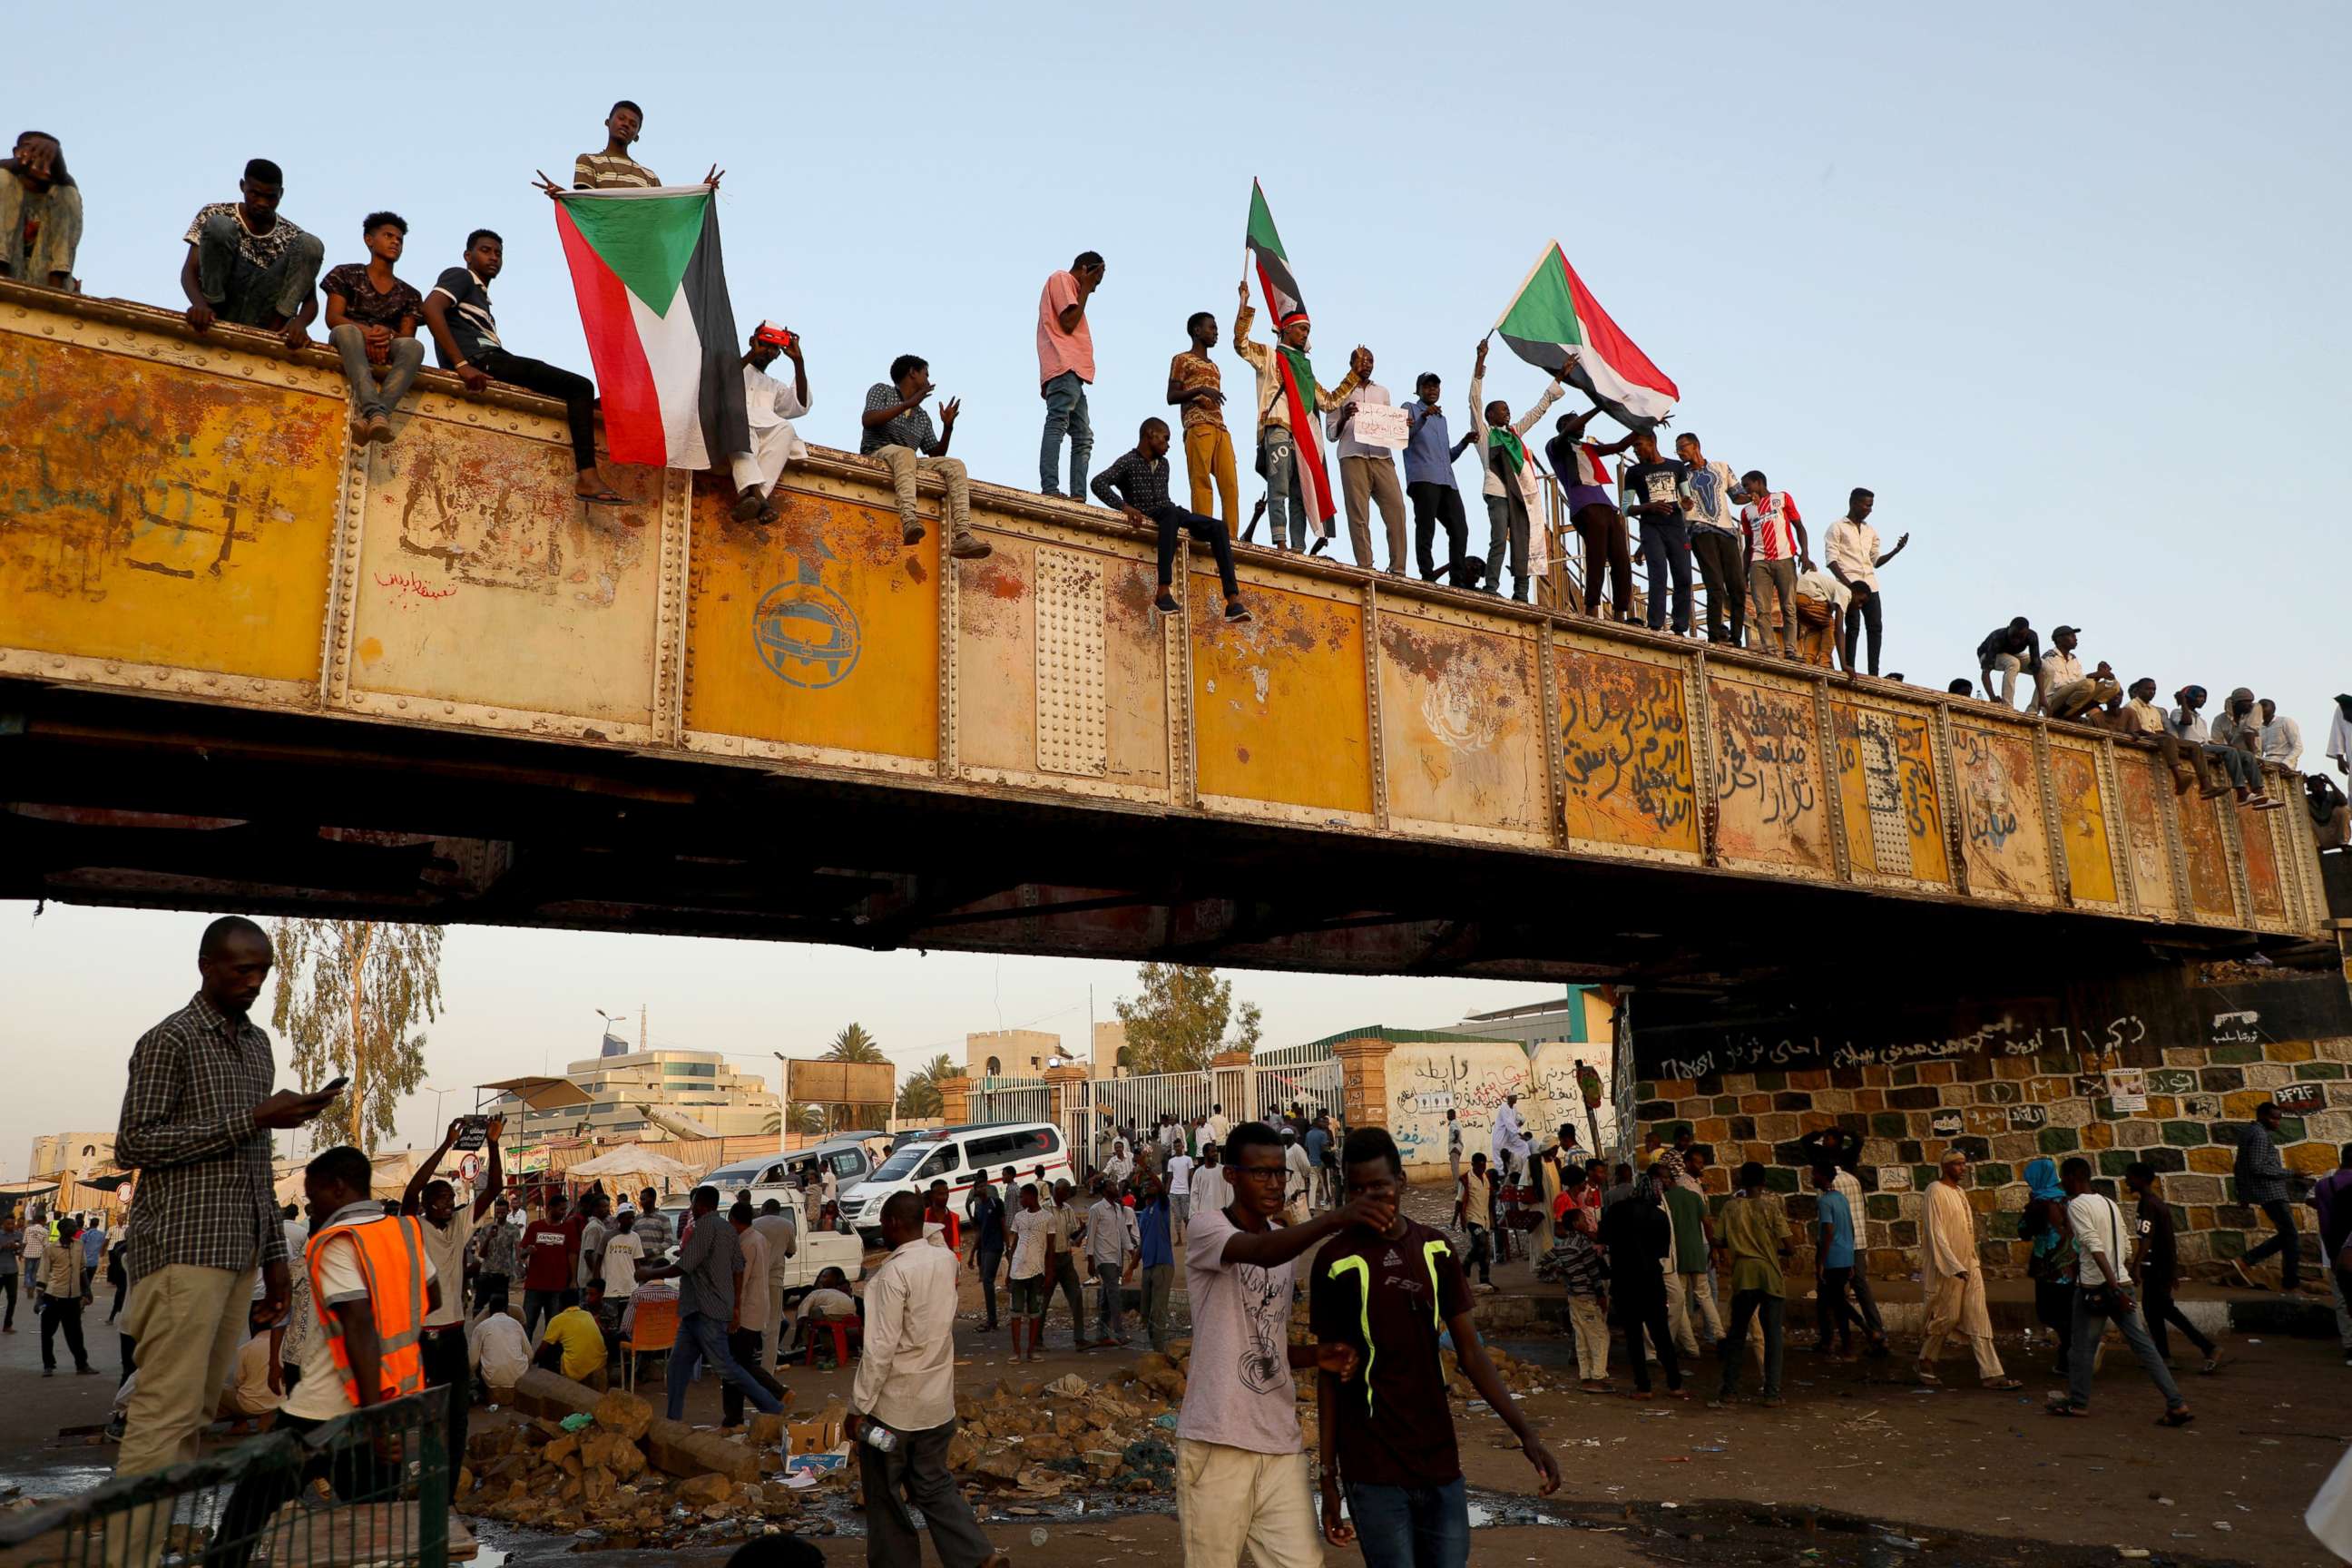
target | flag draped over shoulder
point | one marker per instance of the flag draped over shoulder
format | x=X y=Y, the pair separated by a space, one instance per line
x=652 y=287
x=1282 y=300
x=1555 y=323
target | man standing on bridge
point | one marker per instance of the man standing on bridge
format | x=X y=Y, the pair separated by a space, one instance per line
x=196 y=1118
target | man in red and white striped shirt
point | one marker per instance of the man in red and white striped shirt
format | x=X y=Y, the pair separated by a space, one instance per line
x=1772 y=546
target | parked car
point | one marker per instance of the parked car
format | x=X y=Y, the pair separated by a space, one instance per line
x=957 y=1155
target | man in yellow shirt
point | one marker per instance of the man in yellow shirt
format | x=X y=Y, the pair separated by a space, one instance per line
x=573 y=1344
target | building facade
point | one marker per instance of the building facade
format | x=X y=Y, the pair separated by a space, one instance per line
x=622 y=1084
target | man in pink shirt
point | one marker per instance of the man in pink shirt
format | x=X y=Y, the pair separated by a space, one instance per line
x=1065 y=366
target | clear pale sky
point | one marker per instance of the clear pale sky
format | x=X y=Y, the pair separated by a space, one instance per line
x=2062 y=284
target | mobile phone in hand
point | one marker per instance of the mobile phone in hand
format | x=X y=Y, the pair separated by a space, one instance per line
x=335 y=1086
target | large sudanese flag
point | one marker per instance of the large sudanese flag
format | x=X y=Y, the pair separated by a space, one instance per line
x=1282 y=300
x=652 y=287
x=1555 y=323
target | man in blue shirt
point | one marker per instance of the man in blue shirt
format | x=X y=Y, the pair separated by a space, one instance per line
x=93 y=1247
x=1833 y=1267
x=1317 y=1143
x=1429 y=482
x=1157 y=1257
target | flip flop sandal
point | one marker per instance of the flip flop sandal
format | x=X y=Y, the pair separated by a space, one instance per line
x=2004 y=1384
x=604 y=498
x=2175 y=1418
x=2066 y=1413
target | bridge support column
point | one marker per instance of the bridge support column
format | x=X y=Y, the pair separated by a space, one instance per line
x=1364 y=1095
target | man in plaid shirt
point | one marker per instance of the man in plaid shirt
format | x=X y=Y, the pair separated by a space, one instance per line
x=2262 y=1183
x=196 y=1121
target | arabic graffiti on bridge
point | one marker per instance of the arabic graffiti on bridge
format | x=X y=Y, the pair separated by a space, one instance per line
x=1768 y=774
x=2001 y=812
x=1625 y=754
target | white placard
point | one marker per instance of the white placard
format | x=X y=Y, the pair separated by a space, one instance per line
x=1379 y=424
x=2127 y=1087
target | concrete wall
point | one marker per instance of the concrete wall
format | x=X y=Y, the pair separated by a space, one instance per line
x=2005 y=1110
x=1420 y=1080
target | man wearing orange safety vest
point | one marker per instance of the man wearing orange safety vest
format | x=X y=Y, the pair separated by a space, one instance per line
x=372 y=1286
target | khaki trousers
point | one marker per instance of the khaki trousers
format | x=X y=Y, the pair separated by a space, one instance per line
x=1363 y=480
x=1958 y=1304
x=1683 y=1291
x=187 y=1323
x=1591 y=1337
x=905 y=463
x=1230 y=1498
x=1209 y=456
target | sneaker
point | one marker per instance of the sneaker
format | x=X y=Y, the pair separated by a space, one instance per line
x=2215 y=1362
x=1165 y=603
x=2238 y=1272
x=1236 y=611
x=912 y=533
x=970 y=546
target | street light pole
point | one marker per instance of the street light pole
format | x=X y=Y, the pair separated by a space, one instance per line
x=784 y=1099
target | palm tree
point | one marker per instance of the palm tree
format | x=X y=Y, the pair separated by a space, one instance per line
x=799 y=1118
x=919 y=1096
x=853 y=1045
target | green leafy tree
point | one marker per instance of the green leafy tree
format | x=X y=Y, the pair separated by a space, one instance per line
x=352 y=998
x=853 y=1045
x=1184 y=1015
x=799 y=1118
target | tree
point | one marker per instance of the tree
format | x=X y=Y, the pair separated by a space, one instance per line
x=919 y=1096
x=352 y=996
x=1181 y=1019
x=801 y=1118
x=853 y=1045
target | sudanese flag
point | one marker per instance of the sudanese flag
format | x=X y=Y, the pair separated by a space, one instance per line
x=1555 y=323
x=647 y=268
x=1281 y=298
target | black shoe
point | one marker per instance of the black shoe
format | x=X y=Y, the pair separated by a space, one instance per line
x=1236 y=611
x=84 y=1370
x=49 y=1372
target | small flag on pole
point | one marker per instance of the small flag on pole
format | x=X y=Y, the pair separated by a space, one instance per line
x=1555 y=323
x=1283 y=302
x=646 y=267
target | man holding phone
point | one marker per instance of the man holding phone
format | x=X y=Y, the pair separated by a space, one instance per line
x=770 y=406
x=197 y=1115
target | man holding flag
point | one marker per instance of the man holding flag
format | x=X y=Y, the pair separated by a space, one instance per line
x=1290 y=453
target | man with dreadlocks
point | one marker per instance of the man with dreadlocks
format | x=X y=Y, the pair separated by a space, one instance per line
x=1284 y=453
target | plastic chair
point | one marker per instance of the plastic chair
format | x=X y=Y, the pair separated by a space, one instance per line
x=840 y=1327
x=655 y=1328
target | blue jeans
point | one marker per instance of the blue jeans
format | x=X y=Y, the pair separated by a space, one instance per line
x=1286 y=492
x=2088 y=1327
x=704 y=1339
x=1412 y=1527
x=1110 y=1319
x=1066 y=409
x=1665 y=545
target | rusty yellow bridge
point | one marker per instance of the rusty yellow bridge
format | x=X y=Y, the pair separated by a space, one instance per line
x=245 y=665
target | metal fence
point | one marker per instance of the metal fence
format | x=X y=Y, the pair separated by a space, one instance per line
x=1011 y=1100
x=1116 y=1104
x=365 y=1489
x=1315 y=1085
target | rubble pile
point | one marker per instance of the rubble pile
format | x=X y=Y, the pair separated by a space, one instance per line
x=607 y=1470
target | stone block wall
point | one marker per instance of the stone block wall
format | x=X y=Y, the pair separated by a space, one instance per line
x=2005 y=1110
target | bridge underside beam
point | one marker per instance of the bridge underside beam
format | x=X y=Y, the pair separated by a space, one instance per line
x=109 y=799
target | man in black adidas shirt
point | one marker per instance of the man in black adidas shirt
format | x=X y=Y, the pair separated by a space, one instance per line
x=1387 y=1428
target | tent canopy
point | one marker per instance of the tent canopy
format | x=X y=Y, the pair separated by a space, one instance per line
x=632 y=1159
x=543 y=1094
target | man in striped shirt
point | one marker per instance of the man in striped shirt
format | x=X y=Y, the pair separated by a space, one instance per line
x=1774 y=547
x=614 y=168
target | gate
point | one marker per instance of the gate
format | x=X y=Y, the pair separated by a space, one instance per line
x=1113 y=1104
x=1011 y=1100
x=1308 y=1075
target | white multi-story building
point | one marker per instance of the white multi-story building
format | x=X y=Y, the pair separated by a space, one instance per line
x=622 y=1084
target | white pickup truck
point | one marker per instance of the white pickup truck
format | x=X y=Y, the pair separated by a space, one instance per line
x=816 y=1251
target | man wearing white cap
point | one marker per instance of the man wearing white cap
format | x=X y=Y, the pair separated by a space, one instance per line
x=771 y=407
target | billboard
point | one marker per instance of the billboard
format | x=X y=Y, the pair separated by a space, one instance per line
x=840 y=1083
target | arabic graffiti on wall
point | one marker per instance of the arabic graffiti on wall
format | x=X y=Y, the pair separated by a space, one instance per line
x=1625 y=753
x=2001 y=833
x=1746 y=1050
x=1767 y=775
x=1886 y=779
